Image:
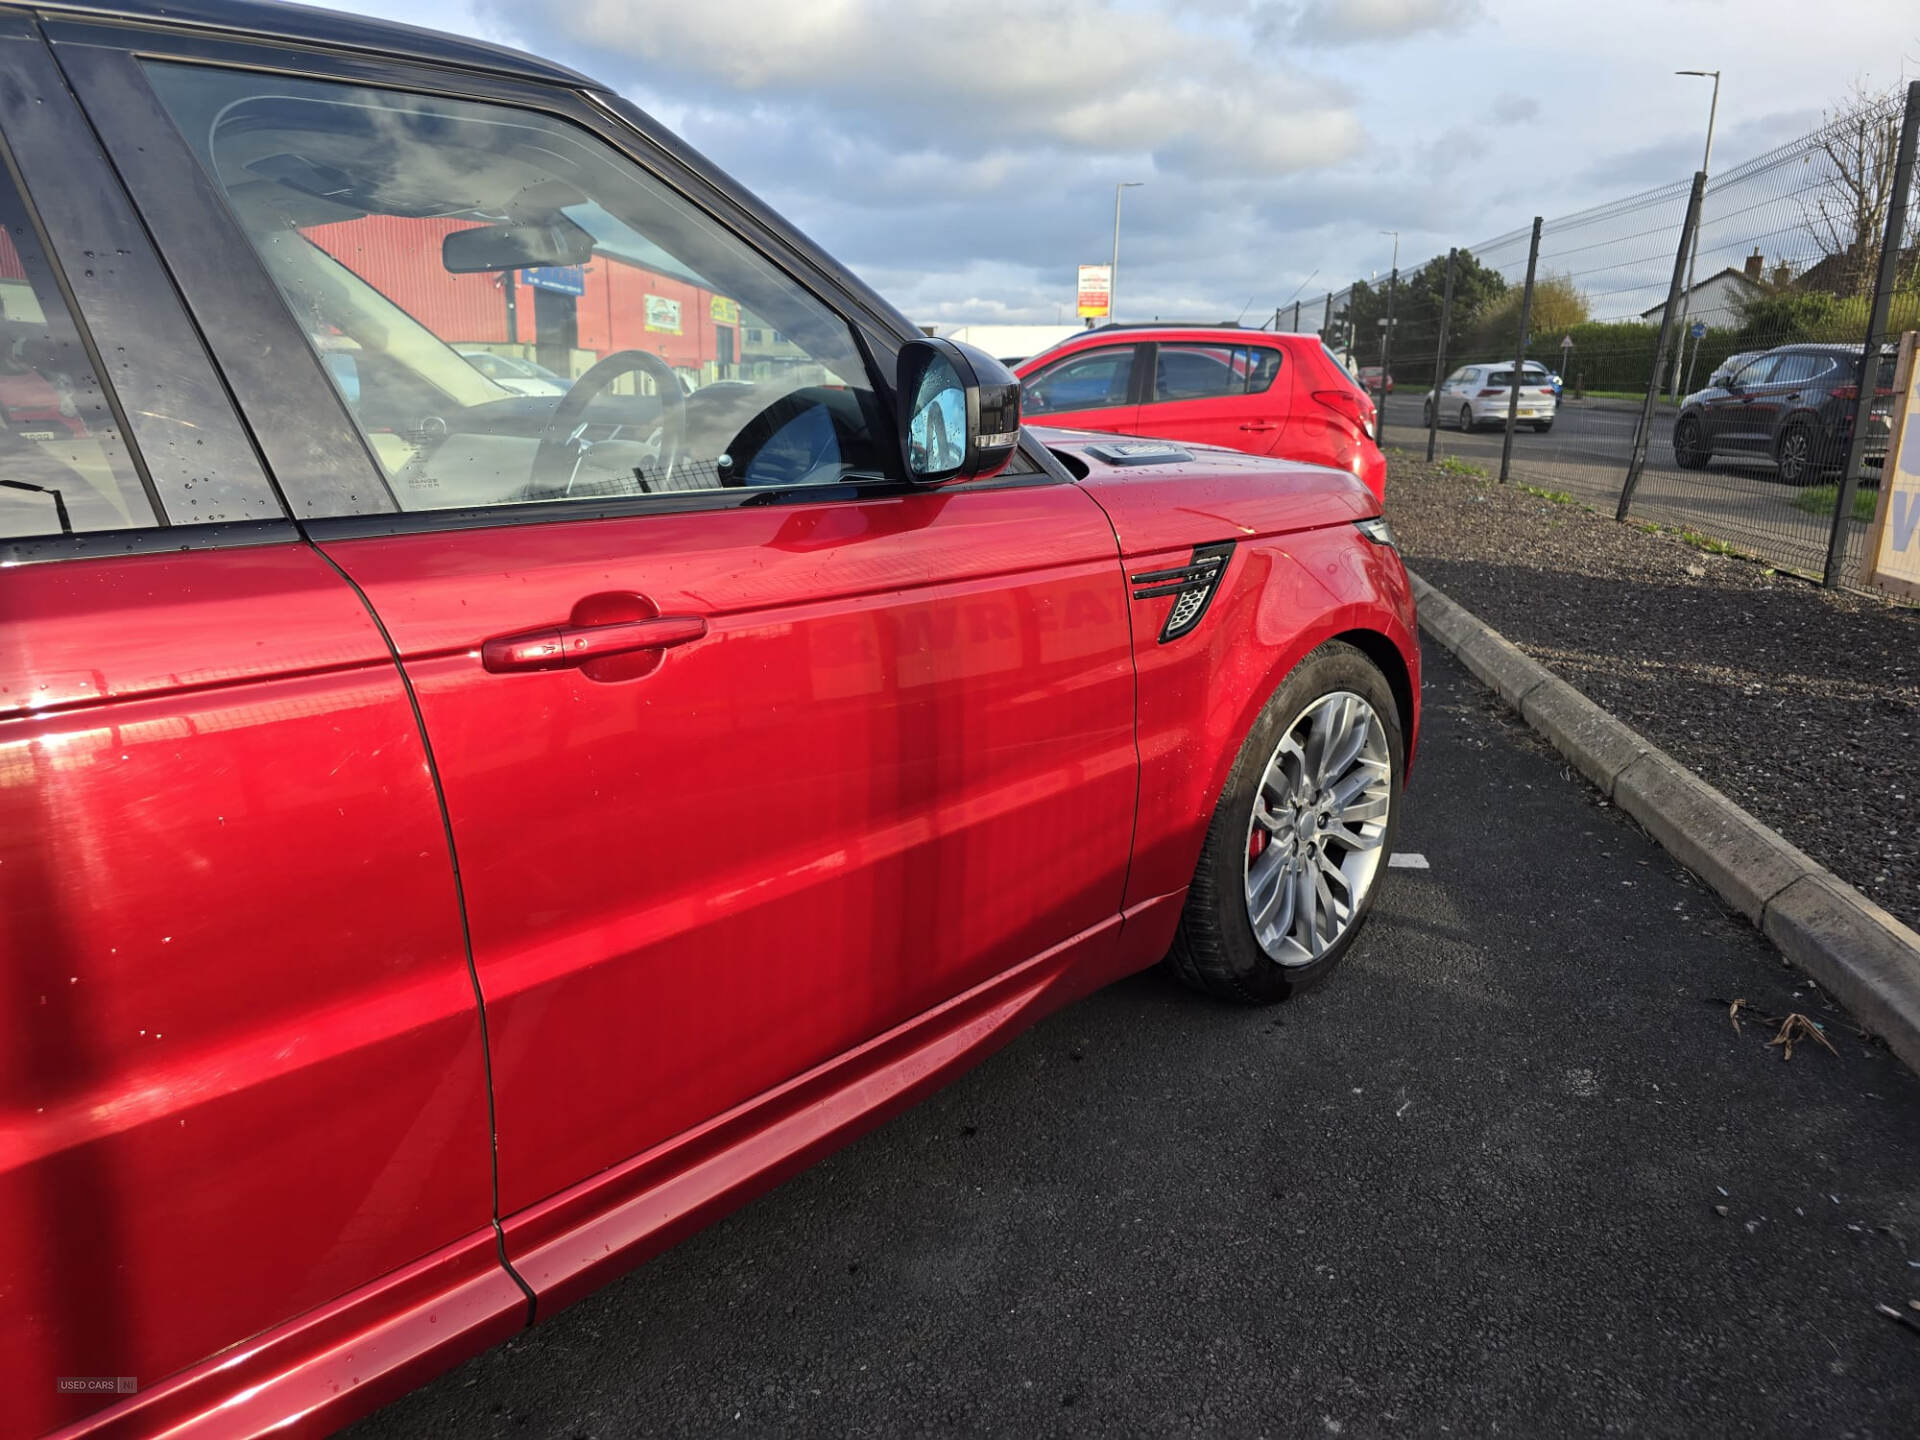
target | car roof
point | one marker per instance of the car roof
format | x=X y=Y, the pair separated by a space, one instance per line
x=270 y=19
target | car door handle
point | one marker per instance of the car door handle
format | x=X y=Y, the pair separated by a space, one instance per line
x=560 y=646
x=1260 y=425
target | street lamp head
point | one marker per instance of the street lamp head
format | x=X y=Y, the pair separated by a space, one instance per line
x=1714 y=74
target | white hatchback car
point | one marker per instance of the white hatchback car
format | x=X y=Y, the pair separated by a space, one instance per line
x=1477 y=395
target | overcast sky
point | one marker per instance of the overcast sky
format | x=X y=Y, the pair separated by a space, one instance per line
x=961 y=156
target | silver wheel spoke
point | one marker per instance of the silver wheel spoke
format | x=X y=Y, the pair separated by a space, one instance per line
x=1350 y=741
x=1264 y=886
x=1306 y=908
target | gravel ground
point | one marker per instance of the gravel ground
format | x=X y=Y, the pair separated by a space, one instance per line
x=1802 y=704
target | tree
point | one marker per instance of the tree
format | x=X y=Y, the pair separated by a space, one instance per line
x=1416 y=310
x=1846 y=213
x=1558 y=305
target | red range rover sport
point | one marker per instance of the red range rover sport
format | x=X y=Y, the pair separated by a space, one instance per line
x=454 y=842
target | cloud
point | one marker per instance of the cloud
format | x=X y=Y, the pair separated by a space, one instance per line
x=1351 y=22
x=962 y=157
x=1095 y=77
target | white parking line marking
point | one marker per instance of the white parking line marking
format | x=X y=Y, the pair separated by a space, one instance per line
x=1408 y=860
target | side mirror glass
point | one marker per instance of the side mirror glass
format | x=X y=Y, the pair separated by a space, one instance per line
x=959 y=412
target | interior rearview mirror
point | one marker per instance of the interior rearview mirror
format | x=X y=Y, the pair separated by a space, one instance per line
x=515 y=247
x=959 y=412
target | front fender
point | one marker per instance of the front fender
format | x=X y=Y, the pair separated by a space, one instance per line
x=1281 y=598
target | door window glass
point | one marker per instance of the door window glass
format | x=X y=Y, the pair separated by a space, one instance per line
x=1797 y=367
x=1090 y=381
x=1755 y=373
x=1200 y=372
x=64 y=465
x=512 y=311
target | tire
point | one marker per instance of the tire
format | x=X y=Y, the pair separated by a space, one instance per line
x=1216 y=949
x=1466 y=419
x=1690 y=450
x=1795 y=454
x=1426 y=413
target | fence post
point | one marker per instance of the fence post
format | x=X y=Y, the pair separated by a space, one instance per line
x=1440 y=358
x=1296 y=317
x=1386 y=347
x=1520 y=363
x=1326 y=322
x=1876 y=336
x=1638 y=459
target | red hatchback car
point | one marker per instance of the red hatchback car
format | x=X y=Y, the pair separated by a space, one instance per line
x=1251 y=390
x=455 y=843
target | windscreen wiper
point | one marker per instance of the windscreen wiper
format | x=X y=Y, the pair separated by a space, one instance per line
x=59 y=501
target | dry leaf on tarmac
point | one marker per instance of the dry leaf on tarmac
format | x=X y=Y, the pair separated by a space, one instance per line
x=1797 y=1027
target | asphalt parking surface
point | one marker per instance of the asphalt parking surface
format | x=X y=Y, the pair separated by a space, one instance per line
x=1469 y=1186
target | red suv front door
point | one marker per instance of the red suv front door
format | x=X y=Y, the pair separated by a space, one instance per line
x=750 y=750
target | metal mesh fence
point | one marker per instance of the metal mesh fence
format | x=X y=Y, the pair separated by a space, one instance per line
x=1756 y=397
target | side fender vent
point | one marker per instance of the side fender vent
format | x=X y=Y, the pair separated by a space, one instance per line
x=1194 y=583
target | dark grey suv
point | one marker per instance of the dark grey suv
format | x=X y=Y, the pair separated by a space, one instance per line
x=1793 y=405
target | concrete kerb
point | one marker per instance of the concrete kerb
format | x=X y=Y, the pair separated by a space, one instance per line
x=1861 y=955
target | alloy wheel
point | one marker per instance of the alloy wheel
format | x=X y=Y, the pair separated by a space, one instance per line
x=1315 y=839
x=1796 y=454
x=1466 y=417
x=1686 y=443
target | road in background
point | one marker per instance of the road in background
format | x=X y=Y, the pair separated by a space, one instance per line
x=1470 y=1183
x=1585 y=454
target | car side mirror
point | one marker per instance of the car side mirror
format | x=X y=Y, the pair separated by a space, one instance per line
x=959 y=412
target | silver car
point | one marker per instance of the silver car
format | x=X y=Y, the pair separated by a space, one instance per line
x=1476 y=395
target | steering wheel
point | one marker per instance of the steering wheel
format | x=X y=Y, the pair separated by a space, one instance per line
x=563 y=442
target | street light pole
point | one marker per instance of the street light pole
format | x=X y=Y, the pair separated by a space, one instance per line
x=1693 y=257
x=1113 y=272
x=1386 y=334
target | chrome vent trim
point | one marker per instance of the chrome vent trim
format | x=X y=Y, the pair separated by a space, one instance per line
x=1194 y=585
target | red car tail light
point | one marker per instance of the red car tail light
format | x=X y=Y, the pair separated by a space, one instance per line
x=1352 y=408
x=1845 y=392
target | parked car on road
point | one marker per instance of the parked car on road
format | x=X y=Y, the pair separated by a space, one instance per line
x=1267 y=394
x=455 y=843
x=1476 y=395
x=1370 y=379
x=1793 y=405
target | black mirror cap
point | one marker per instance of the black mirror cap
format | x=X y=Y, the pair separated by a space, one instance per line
x=993 y=406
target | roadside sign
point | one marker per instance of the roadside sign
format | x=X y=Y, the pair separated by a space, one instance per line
x=1566 y=343
x=1698 y=330
x=1893 y=545
x=1096 y=290
x=663 y=314
x=561 y=279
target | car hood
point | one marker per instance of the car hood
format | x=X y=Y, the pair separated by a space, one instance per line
x=1197 y=494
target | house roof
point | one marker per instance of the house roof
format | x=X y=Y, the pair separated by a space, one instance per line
x=1730 y=273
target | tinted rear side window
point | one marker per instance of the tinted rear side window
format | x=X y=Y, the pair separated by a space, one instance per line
x=1198 y=372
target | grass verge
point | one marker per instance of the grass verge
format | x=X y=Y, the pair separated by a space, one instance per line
x=1820 y=500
